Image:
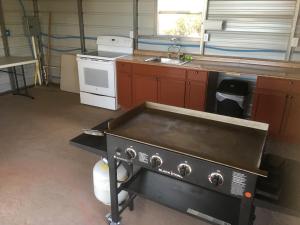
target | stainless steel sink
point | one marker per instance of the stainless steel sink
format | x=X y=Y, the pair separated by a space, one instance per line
x=166 y=61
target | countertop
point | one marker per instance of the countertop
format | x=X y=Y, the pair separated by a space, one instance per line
x=235 y=69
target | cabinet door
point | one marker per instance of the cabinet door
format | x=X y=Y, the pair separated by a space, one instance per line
x=171 y=91
x=124 y=89
x=269 y=107
x=144 y=88
x=124 y=84
x=196 y=95
x=292 y=119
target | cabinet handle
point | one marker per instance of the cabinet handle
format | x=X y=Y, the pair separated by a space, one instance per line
x=291 y=82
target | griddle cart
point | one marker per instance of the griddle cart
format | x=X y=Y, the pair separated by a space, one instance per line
x=186 y=196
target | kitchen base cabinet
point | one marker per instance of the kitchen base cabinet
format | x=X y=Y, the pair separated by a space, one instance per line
x=168 y=85
x=277 y=102
x=124 y=90
x=195 y=95
x=269 y=107
x=124 y=84
x=171 y=91
x=196 y=89
x=292 y=119
x=144 y=88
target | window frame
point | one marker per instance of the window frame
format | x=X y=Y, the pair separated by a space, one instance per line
x=156 y=21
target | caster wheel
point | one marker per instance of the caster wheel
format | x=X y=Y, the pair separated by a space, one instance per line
x=109 y=220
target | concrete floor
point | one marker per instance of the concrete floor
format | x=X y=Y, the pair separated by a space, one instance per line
x=45 y=180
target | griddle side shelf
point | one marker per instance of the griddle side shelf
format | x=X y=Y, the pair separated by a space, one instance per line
x=94 y=144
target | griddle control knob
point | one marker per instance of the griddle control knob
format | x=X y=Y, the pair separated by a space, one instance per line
x=156 y=161
x=184 y=169
x=216 y=179
x=130 y=153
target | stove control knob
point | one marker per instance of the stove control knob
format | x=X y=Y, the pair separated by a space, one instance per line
x=156 y=161
x=130 y=153
x=184 y=169
x=216 y=179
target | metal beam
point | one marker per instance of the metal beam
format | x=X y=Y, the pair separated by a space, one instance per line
x=3 y=32
x=293 y=30
x=204 y=17
x=39 y=38
x=135 y=23
x=6 y=45
x=81 y=26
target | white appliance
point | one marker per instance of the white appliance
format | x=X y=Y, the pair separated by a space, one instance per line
x=97 y=71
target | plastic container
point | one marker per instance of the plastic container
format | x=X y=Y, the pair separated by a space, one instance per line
x=231 y=95
x=102 y=184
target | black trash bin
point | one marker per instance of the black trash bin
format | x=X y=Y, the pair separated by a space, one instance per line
x=231 y=95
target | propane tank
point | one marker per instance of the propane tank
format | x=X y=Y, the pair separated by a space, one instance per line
x=101 y=182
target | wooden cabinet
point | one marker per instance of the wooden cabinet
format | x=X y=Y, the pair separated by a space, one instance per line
x=269 y=107
x=124 y=84
x=196 y=89
x=168 y=85
x=291 y=125
x=144 y=88
x=144 y=84
x=277 y=102
x=171 y=86
x=171 y=91
x=165 y=85
x=195 y=95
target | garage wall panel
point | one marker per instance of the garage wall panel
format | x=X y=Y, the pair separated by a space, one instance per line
x=18 y=43
x=101 y=17
x=257 y=29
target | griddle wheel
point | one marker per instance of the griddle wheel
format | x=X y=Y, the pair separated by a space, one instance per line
x=109 y=220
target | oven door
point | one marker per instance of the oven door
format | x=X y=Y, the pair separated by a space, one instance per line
x=97 y=76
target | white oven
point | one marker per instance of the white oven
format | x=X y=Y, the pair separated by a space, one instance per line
x=97 y=76
x=97 y=71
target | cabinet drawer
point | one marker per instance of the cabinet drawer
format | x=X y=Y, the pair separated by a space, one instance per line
x=144 y=69
x=171 y=72
x=197 y=75
x=124 y=67
x=276 y=84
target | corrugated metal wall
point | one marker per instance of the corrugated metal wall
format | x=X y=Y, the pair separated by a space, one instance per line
x=105 y=17
x=18 y=43
x=258 y=29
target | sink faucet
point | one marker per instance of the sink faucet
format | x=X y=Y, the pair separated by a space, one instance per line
x=176 y=48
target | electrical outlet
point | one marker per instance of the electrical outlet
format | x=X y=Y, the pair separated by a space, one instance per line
x=206 y=37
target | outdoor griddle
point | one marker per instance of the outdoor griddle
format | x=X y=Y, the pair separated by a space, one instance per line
x=209 y=166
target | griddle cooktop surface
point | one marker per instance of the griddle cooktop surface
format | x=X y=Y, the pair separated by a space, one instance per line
x=231 y=145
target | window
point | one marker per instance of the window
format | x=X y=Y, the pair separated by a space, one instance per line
x=179 y=17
